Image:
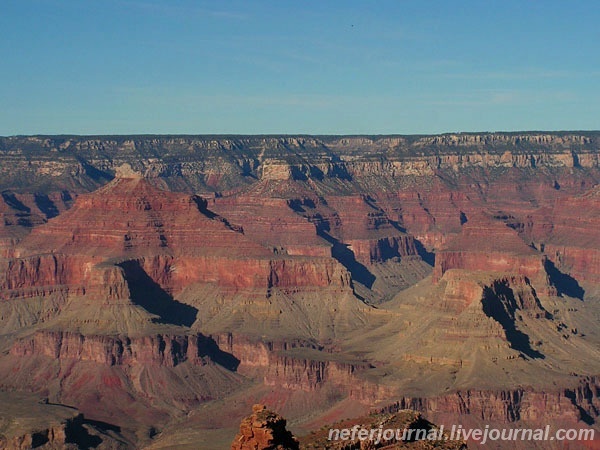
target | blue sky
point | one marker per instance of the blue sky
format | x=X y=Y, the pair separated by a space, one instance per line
x=316 y=67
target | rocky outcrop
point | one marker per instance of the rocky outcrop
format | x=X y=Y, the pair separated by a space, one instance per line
x=308 y=273
x=368 y=240
x=484 y=318
x=44 y=275
x=299 y=365
x=272 y=222
x=567 y=407
x=369 y=251
x=475 y=250
x=404 y=424
x=286 y=272
x=531 y=266
x=28 y=421
x=469 y=288
x=53 y=437
x=264 y=430
x=567 y=234
x=20 y=211
x=159 y=350
x=583 y=263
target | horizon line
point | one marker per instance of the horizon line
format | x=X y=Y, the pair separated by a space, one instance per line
x=445 y=133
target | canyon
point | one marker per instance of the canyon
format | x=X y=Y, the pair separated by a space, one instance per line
x=154 y=288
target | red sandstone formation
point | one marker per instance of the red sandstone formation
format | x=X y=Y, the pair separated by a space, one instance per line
x=159 y=350
x=361 y=224
x=567 y=233
x=273 y=223
x=172 y=237
x=488 y=246
x=264 y=430
x=296 y=365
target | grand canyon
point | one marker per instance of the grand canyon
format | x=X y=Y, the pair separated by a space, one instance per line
x=154 y=288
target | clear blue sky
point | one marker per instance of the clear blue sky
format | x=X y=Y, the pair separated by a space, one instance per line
x=318 y=67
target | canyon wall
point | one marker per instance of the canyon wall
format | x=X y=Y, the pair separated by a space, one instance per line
x=567 y=407
x=218 y=163
x=160 y=350
x=276 y=236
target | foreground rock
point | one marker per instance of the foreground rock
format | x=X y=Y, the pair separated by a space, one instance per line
x=264 y=430
x=410 y=431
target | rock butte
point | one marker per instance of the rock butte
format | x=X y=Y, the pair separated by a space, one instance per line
x=162 y=285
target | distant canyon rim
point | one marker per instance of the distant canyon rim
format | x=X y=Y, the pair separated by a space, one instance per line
x=154 y=288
